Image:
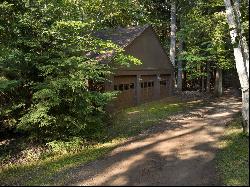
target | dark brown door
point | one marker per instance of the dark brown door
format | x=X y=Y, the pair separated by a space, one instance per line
x=147 y=87
x=165 y=85
x=126 y=85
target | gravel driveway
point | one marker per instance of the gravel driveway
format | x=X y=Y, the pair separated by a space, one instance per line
x=180 y=151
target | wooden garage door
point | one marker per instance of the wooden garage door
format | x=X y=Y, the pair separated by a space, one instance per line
x=127 y=86
x=147 y=87
x=165 y=85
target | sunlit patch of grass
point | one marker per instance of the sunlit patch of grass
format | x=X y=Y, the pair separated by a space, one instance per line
x=233 y=159
x=43 y=172
x=132 y=120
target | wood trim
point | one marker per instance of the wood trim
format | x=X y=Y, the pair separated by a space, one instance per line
x=143 y=72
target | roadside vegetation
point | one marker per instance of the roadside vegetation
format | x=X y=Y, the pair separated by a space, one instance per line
x=25 y=164
x=233 y=158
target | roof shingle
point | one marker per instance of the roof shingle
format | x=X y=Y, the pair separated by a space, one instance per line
x=121 y=36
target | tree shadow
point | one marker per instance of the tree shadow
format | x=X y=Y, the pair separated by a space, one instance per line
x=148 y=166
x=154 y=168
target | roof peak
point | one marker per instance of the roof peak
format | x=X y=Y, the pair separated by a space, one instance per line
x=121 y=36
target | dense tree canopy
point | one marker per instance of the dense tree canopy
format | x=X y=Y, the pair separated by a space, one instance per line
x=46 y=72
x=45 y=69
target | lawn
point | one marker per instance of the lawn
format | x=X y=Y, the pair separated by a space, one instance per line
x=233 y=158
x=133 y=120
x=49 y=168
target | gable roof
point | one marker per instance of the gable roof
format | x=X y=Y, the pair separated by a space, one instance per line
x=121 y=36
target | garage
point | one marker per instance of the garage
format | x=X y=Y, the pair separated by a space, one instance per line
x=137 y=83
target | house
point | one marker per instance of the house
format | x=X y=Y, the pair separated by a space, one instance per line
x=151 y=80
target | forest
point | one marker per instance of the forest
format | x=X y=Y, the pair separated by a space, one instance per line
x=46 y=75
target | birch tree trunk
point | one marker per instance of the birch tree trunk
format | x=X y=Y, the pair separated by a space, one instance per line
x=240 y=64
x=173 y=32
x=243 y=41
x=179 y=77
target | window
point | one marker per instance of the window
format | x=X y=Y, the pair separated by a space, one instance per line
x=126 y=86
x=151 y=84
x=142 y=85
x=121 y=87
x=132 y=85
x=163 y=82
x=145 y=84
x=115 y=87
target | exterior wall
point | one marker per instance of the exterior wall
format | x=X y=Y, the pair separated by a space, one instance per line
x=147 y=86
x=148 y=49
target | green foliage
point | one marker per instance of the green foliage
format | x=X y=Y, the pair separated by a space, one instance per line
x=205 y=33
x=46 y=70
x=61 y=147
x=47 y=75
x=112 y=13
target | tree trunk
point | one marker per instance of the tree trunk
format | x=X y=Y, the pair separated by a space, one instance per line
x=202 y=80
x=241 y=67
x=179 y=79
x=218 y=83
x=202 y=84
x=243 y=40
x=185 y=86
x=173 y=32
x=208 y=77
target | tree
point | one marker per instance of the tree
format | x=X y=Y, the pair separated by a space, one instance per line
x=242 y=69
x=244 y=44
x=204 y=32
x=45 y=69
x=218 y=90
x=173 y=32
x=179 y=74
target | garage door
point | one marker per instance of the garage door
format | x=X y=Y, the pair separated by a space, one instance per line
x=165 y=85
x=127 y=87
x=147 y=87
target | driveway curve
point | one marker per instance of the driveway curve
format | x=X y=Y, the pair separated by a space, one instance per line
x=179 y=152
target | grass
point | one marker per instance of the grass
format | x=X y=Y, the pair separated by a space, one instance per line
x=43 y=172
x=131 y=121
x=233 y=159
x=52 y=169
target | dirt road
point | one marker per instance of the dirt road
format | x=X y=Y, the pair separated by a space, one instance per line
x=180 y=151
